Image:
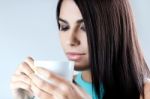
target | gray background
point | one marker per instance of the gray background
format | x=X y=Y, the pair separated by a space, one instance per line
x=28 y=28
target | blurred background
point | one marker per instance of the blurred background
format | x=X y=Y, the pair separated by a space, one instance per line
x=29 y=28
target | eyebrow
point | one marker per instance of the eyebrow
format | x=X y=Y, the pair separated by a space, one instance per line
x=78 y=21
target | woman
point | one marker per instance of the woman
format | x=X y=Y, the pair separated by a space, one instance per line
x=99 y=35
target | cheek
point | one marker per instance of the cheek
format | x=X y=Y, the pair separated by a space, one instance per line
x=62 y=40
x=84 y=41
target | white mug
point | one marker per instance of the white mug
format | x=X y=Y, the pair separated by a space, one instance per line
x=65 y=69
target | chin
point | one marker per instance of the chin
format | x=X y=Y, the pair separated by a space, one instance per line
x=80 y=66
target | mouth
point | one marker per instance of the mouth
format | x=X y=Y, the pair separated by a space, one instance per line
x=74 y=56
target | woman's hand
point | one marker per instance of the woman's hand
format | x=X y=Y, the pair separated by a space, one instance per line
x=21 y=82
x=58 y=89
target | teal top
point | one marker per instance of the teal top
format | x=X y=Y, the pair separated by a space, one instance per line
x=87 y=86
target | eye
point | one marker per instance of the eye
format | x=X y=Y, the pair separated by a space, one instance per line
x=63 y=27
x=83 y=28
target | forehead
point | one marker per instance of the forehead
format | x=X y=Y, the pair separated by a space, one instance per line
x=70 y=11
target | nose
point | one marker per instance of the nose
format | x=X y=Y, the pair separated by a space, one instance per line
x=73 y=39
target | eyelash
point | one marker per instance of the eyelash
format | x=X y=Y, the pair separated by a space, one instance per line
x=65 y=28
x=83 y=28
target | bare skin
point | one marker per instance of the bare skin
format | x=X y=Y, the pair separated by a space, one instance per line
x=146 y=90
x=21 y=82
x=25 y=84
x=25 y=80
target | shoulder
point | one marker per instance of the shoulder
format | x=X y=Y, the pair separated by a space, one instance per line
x=146 y=88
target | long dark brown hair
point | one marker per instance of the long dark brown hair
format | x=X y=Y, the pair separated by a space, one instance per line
x=115 y=58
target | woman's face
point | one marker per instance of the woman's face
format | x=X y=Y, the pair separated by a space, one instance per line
x=73 y=34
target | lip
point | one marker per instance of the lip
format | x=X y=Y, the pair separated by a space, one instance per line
x=74 y=56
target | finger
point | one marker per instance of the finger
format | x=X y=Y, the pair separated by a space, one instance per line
x=42 y=84
x=20 y=85
x=24 y=69
x=21 y=78
x=30 y=62
x=60 y=90
x=40 y=93
x=61 y=83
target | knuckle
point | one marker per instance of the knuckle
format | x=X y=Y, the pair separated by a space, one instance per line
x=24 y=77
x=23 y=65
x=65 y=89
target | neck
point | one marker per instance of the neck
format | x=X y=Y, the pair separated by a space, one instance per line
x=86 y=75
